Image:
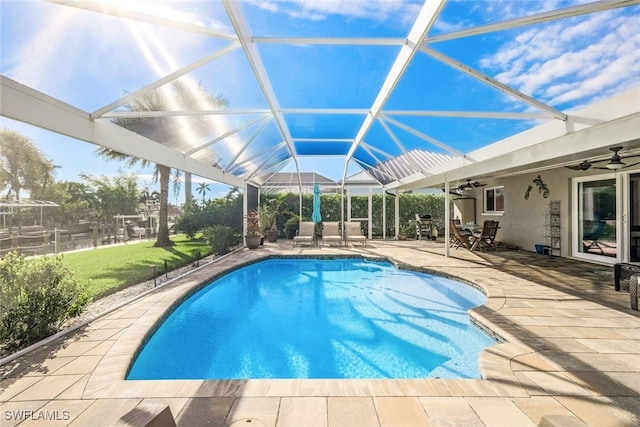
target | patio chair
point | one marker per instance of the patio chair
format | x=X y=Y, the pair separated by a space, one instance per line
x=306 y=233
x=486 y=238
x=459 y=237
x=353 y=233
x=331 y=233
x=590 y=239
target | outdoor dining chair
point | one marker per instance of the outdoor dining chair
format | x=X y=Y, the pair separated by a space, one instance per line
x=459 y=237
x=486 y=239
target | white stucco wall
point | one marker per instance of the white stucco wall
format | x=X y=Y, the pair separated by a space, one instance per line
x=523 y=222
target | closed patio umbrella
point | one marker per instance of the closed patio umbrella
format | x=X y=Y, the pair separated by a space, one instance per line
x=316 y=216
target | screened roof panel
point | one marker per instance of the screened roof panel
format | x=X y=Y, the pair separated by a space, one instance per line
x=326 y=75
x=353 y=19
x=322 y=148
x=366 y=82
x=326 y=125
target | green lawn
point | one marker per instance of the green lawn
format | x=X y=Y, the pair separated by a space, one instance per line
x=107 y=270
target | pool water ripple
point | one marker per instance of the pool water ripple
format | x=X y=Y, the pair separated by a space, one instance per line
x=310 y=318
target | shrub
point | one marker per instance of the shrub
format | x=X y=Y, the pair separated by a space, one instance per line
x=291 y=226
x=221 y=238
x=36 y=297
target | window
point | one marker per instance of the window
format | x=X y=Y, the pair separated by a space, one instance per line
x=494 y=200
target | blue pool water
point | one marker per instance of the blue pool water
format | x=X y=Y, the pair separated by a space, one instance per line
x=310 y=318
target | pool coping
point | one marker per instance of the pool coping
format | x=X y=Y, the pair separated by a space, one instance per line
x=108 y=378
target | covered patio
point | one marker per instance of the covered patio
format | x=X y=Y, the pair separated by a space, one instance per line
x=416 y=95
x=569 y=347
x=418 y=99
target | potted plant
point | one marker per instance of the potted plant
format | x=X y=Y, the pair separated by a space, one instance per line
x=253 y=236
x=268 y=214
x=406 y=230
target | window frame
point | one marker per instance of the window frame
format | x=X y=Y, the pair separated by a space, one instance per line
x=485 y=204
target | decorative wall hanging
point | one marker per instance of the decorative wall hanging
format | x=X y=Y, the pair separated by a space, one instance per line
x=542 y=187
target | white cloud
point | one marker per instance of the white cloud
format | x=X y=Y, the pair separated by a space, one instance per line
x=571 y=61
x=318 y=10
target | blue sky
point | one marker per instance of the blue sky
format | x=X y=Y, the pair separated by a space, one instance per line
x=88 y=60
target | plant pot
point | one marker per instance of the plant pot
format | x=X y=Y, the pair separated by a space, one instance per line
x=252 y=242
x=272 y=236
x=402 y=237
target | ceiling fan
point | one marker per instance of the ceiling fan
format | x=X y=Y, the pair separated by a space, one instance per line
x=460 y=189
x=614 y=163
x=468 y=185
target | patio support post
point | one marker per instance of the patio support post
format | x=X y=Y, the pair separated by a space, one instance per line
x=342 y=208
x=245 y=209
x=384 y=214
x=447 y=214
x=397 y=214
x=369 y=213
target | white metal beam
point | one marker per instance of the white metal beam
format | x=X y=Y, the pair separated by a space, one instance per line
x=24 y=104
x=273 y=148
x=493 y=82
x=424 y=137
x=121 y=12
x=181 y=113
x=331 y=41
x=226 y=134
x=381 y=167
x=427 y=17
x=537 y=18
x=245 y=146
x=166 y=79
x=336 y=111
x=323 y=139
x=622 y=131
x=470 y=114
x=393 y=136
x=239 y=22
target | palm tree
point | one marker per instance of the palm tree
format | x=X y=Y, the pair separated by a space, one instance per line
x=165 y=129
x=22 y=165
x=202 y=190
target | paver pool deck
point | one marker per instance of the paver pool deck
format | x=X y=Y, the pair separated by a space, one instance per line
x=572 y=348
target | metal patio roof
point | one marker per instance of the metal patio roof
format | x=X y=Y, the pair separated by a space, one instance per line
x=404 y=90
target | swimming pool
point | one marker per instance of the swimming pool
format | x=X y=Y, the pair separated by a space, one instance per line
x=318 y=318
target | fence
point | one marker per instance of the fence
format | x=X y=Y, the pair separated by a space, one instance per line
x=37 y=240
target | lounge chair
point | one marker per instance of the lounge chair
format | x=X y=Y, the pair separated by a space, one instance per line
x=306 y=233
x=460 y=237
x=486 y=238
x=353 y=233
x=331 y=233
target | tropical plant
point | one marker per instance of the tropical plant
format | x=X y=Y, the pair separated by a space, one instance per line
x=266 y=217
x=112 y=196
x=36 y=296
x=202 y=189
x=221 y=238
x=253 y=224
x=22 y=165
x=176 y=96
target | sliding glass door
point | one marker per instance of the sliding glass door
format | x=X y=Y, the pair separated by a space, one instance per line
x=596 y=218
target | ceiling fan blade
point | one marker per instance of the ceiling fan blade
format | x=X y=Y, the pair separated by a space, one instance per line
x=574 y=167
x=633 y=164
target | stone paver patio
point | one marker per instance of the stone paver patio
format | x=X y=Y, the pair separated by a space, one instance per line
x=572 y=348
